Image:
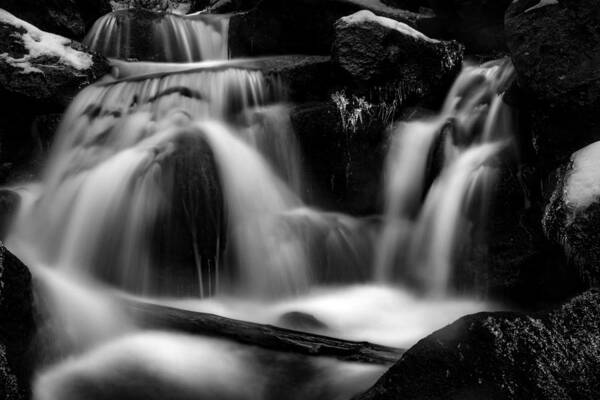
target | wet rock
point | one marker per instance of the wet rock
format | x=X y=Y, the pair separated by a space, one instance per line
x=301 y=321
x=377 y=49
x=39 y=75
x=572 y=217
x=304 y=26
x=344 y=156
x=171 y=6
x=555 y=46
x=554 y=355
x=70 y=18
x=16 y=325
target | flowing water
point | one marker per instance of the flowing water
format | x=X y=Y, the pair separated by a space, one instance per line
x=182 y=184
x=167 y=37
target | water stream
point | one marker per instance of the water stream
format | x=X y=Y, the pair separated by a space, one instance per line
x=184 y=186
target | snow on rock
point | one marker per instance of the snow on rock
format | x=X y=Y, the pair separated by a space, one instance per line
x=38 y=65
x=374 y=48
x=366 y=16
x=542 y=3
x=572 y=216
x=42 y=44
x=583 y=182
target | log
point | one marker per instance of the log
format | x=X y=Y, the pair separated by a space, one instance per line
x=154 y=316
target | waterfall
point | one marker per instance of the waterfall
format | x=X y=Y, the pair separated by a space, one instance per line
x=145 y=35
x=130 y=192
x=426 y=224
x=182 y=184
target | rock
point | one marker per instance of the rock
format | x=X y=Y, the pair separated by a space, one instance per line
x=304 y=26
x=40 y=73
x=301 y=321
x=572 y=217
x=16 y=325
x=9 y=206
x=555 y=47
x=478 y=24
x=377 y=49
x=70 y=18
x=230 y=6
x=344 y=159
x=171 y=6
x=553 y=355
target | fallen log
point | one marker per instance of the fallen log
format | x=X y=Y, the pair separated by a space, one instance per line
x=154 y=316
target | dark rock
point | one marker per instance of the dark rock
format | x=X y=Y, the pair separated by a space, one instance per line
x=344 y=161
x=555 y=51
x=511 y=260
x=231 y=6
x=37 y=83
x=377 y=49
x=572 y=217
x=190 y=236
x=172 y=6
x=304 y=26
x=554 y=355
x=70 y=18
x=9 y=205
x=16 y=323
x=301 y=321
x=479 y=24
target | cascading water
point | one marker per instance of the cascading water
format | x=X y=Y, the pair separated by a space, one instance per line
x=173 y=38
x=183 y=184
x=425 y=226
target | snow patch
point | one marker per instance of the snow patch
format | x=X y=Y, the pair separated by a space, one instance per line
x=542 y=3
x=583 y=183
x=367 y=16
x=40 y=43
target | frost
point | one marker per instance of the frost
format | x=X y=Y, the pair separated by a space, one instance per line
x=542 y=3
x=40 y=43
x=352 y=110
x=583 y=182
x=367 y=16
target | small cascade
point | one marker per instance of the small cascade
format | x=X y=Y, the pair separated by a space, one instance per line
x=427 y=223
x=144 y=35
x=273 y=259
x=132 y=172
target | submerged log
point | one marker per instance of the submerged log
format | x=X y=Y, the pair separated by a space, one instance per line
x=269 y=337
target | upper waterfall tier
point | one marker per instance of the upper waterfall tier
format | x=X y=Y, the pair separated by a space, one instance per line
x=148 y=36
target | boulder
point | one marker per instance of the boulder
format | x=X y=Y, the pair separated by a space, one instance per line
x=70 y=18
x=376 y=49
x=40 y=73
x=16 y=326
x=555 y=47
x=304 y=26
x=572 y=217
x=551 y=355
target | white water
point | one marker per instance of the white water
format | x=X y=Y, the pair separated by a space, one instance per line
x=114 y=180
x=426 y=228
x=166 y=37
